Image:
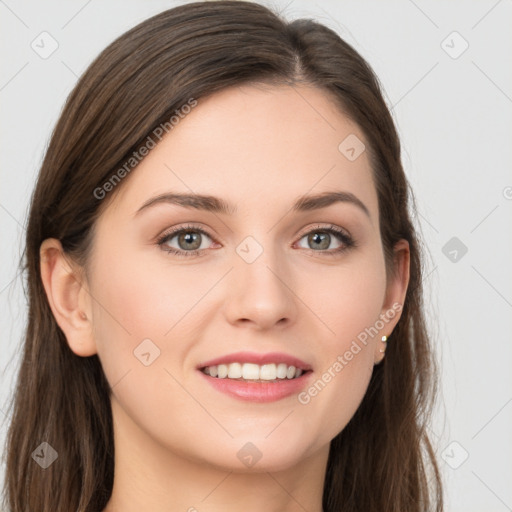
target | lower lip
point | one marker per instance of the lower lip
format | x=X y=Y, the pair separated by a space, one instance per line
x=258 y=391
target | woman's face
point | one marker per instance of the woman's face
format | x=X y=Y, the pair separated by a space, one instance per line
x=265 y=283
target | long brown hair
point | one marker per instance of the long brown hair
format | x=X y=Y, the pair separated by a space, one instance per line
x=383 y=459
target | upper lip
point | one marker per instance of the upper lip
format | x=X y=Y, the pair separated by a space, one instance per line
x=260 y=359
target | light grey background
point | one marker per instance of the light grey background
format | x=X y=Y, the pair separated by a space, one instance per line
x=454 y=114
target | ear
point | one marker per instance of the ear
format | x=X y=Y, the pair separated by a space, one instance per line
x=69 y=299
x=396 y=290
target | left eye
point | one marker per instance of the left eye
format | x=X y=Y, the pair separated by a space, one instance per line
x=321 y=239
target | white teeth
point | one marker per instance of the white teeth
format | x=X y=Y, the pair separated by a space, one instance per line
x=251 y=371
x=222 y=371
x=291 y=372
x=234 y=370
x=268 y=372
x=282 y=370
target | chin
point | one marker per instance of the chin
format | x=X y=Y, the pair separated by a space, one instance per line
x=255 y=454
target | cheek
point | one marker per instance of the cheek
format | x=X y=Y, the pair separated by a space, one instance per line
x=139 y=312
x=349 y=311
x=141 y=299
x=348 y=298
x=135 y=302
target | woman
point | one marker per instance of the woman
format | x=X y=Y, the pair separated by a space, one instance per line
x=224 y=282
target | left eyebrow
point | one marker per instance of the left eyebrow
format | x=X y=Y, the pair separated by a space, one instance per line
x=315 y=202
x=217 y=205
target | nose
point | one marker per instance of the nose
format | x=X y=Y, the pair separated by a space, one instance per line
x=260 y=293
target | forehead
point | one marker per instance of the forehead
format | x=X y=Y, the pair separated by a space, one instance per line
x=256 y=146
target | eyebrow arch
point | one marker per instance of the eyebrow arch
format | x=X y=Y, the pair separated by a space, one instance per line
x=216 y=205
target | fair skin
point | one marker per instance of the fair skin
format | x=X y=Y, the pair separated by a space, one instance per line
x=176 y=436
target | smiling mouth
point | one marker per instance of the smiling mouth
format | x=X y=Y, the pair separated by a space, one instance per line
x=251 y=372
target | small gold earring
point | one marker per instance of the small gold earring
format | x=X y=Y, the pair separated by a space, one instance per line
x=384 y=340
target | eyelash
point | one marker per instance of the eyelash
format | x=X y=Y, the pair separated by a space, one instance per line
x=346 y=239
